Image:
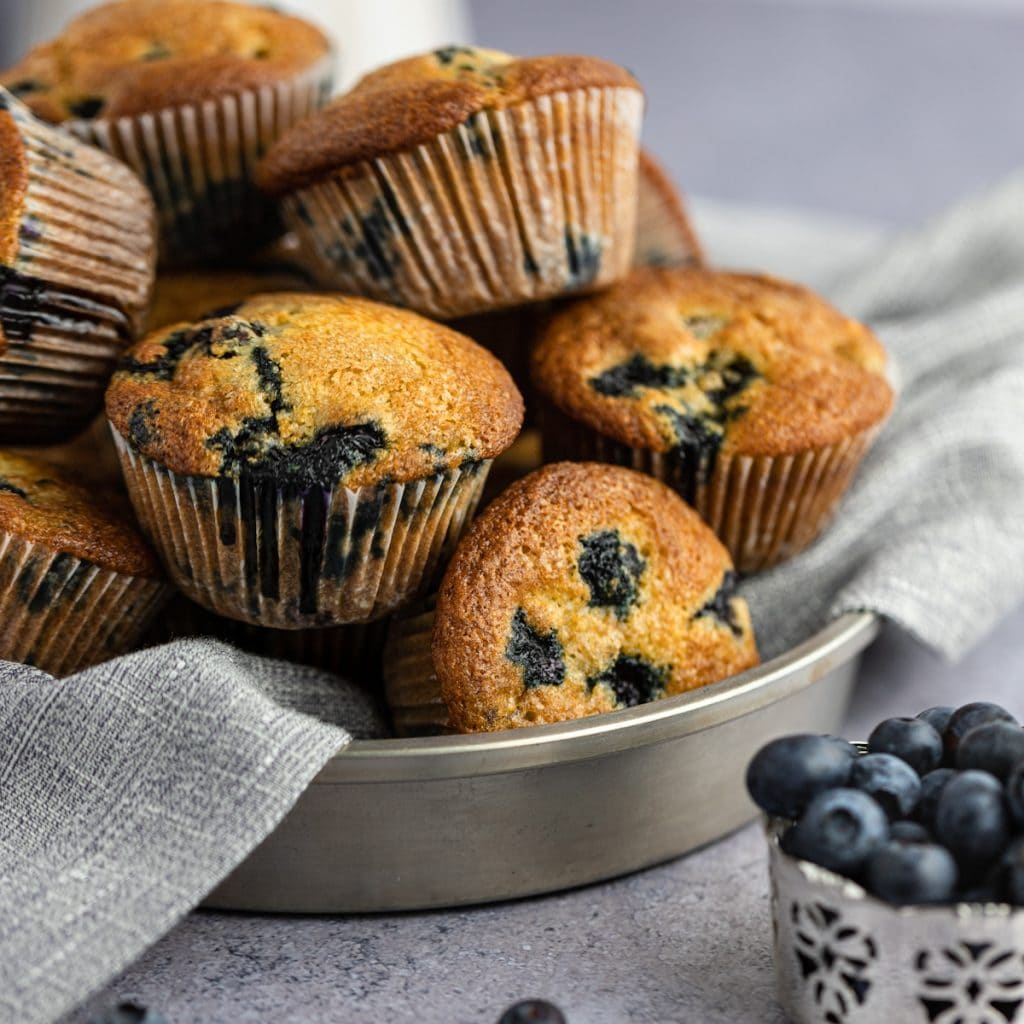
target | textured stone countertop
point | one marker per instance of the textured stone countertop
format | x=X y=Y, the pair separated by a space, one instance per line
x=685 y=942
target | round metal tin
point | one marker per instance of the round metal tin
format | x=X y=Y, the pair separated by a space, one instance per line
x=450 y=820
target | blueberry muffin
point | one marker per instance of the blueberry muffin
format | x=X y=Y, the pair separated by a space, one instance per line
x=307 y=460
x=752 y=397
x=189 y=93
x=583 y=588
x=78 y=583
x=664 y=234
x=464 y=180
x=77 y=248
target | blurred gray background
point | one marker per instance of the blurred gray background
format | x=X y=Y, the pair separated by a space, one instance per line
x=887 y=109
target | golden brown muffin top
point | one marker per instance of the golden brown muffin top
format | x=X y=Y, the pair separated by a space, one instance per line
x=701 y=361
x=664 y=234
x=313 y=389
x=584 y=588
x=194 y=295
x=135 y=56
x=13 y=187
x=405 y=104
x=41 y=503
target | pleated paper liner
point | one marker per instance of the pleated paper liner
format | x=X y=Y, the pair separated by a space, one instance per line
x=62 y=614
x=198 y=161
x=287 y=558
x=79 y=286
x=764 y=509
x=513 y=206
x=352 y=651
x=411 y=688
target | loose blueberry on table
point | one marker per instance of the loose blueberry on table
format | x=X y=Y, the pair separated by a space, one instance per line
x=933 y=813
x=533 y=1011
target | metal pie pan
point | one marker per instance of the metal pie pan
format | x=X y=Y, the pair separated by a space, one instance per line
x=445 y=821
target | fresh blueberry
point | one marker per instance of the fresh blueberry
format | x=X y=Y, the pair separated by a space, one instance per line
x=533 y=1011
x=932 y=785
x=840 y=829
x=982 y=891
x=971 y=820
x=892 y=782
x=1015 y=794
x=786 y=774
x=909 y=832
x=129 y=1013
x=969 y=717
x=909 y=739
x=937 y=717
x=995 y=747
x=901 y=872
x=1011 y=873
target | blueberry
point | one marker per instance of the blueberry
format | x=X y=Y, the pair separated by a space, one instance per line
x=892 y=782
x=787 y=773
x=901 y=872
x=129 y=1013
x=971 y=820
x=533 y=1011
x=995 y=747
x=1015 y=794
x=909 y=739
x=931 y=789
x=968 y=717
x=1011 y=873
x=909 y=832
x=937 y=717
x=840 y=829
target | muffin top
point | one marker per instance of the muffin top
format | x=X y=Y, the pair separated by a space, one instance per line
x=664 y=234
x=701 y=361
x=134 y=56
x=195 y=295
x=313 y=389
x=584 y=588
x=13 y=185
x=408 y=103
x=41 y=503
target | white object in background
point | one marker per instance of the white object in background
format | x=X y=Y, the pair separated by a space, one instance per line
x=366 y=33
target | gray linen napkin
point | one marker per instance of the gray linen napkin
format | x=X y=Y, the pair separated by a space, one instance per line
x=127 y=792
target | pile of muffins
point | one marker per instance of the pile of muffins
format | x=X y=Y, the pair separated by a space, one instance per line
x=347 y=300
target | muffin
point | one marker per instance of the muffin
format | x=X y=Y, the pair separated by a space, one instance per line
x=77 y=247
x=351 y=651
x=583 y=588
x=464 y=180
x=78 y=583
x=308 y=460
x=189 y=93
x=752 y=397
x=664 y=234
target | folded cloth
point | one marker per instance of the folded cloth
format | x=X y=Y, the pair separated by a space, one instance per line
x=931 y=535
x=129 y=791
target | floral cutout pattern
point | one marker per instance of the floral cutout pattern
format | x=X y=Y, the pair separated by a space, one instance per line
x=834 y=958
x=971 y=983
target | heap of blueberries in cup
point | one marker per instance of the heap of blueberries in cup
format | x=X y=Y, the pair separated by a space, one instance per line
x=932 y=813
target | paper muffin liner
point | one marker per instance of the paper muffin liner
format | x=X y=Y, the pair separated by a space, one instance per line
x=62 y=613
x=198 y=160
x=411 y=687
x=291 y=558
x=352 y=651
x=77 y=291
x=764 y=509
x=513 y=206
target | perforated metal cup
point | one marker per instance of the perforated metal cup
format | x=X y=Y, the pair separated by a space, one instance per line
x=844 y=957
